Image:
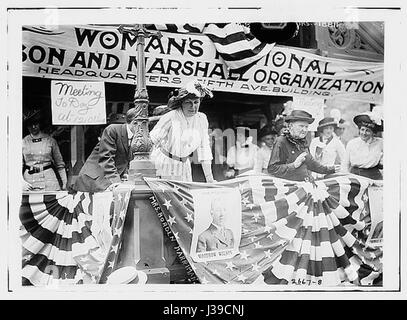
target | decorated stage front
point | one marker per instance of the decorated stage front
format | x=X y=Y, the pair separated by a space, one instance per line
x=271 y=231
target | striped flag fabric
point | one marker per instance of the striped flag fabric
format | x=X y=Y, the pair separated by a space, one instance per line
x=121 y=200
x=234 y=42
x=292 y=233
x=65 y=237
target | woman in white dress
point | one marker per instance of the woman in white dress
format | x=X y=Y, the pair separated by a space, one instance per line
x=180 y=132
x=327 y=148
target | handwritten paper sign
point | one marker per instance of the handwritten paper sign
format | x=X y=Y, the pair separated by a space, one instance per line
x=78 y=102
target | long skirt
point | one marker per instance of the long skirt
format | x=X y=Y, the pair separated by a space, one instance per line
x=45 y=180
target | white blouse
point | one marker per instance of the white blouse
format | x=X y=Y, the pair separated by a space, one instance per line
x=363 y=154
x=181 y=136
x=330 y=151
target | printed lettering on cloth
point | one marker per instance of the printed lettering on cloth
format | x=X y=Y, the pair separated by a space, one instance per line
x=291 y=232
x=223 y=57
x=57 y=239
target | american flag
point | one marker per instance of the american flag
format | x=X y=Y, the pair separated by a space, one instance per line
x=121 y=200
x=234 y=42
x=60 y=238
x=294 y=233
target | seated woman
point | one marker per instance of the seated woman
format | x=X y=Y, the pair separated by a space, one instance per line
x=242 y=156
x=267 y=135
x=182 y=130
x=364 y=154
x=327 y=148
x=42 y=159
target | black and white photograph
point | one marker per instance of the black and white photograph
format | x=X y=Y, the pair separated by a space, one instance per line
x=208 y=148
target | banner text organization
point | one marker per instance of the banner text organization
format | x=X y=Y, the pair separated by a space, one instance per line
x=86 y=54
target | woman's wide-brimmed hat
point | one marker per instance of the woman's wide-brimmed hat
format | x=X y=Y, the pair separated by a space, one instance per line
x=265 y=131
x=369 y=120
x=325 y=122
x=299 y=115
x=193 y=89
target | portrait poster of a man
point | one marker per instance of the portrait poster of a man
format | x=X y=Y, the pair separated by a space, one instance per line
x=216 y=233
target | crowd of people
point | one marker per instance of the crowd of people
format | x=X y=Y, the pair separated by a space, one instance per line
x=280 y=151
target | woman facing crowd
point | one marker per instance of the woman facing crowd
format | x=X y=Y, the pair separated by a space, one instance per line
x=182 y=130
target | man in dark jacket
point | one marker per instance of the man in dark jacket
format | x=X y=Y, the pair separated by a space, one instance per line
x=109 y=160
x=290 y=158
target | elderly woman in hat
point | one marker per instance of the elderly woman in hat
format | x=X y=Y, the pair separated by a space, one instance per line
x=327 y=148
x=267 y=136
x=242 y=156
x=43 y=165
x=181 y=130
x=364 y=154
x=290 y=158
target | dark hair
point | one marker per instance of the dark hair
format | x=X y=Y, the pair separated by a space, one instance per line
x=368 y=125
x=178 y=103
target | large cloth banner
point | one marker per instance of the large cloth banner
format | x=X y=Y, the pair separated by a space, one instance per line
x=104 y=54
x=294 y=233
x=68 y=238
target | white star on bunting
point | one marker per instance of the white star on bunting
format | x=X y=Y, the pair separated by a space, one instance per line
x=241 y=277
x=267 y=229
x=188 y=217
x=204 y=281
x=251 y=206
x=244 y=255
x=256 y=216
x=176 y=236
x=255 y=267
x=245 y=201
x=230 y=265
x=257 y=245
x=171 y=220
x=267 y=254
x=168 y=204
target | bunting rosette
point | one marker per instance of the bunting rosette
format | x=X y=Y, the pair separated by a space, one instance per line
x=66 y=237
x=293 y=233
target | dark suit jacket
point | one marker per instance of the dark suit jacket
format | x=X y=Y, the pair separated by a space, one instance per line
x=284 y=154
x=211 y=239
x=108 y=161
